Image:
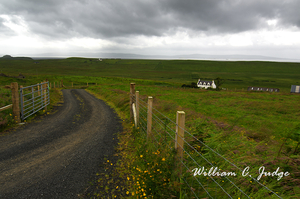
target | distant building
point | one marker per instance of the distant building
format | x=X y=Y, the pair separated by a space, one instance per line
x=206 y=84
x=21 y=76
x=252 y=88
x=295 y=89
x=100 y=59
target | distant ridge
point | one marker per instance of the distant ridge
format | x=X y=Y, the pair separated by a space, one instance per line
x=232 y=57
x=194 y=57
x=15 y=58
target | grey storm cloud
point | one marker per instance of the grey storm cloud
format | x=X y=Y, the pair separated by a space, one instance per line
x=118 y=18
x=4 y=30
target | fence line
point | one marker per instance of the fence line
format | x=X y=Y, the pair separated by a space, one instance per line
x=39 y=98
x=211 y=185
x=61 y=84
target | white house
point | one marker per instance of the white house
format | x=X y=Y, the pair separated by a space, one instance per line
x=206 y=84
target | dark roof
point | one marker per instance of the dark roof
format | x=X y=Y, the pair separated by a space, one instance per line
x=206 y=82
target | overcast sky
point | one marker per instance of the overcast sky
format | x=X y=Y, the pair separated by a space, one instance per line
x=157 y=27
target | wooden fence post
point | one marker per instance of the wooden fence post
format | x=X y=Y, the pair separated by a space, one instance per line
x=39 y=89
x=15 y=101
x=137 y=105
x=131 y=95
x=149 y=117
x=179 y=136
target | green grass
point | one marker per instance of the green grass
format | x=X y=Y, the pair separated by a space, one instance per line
x=237 y=74
x=253 y=128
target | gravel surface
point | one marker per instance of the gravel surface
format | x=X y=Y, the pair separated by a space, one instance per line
x=56 y=156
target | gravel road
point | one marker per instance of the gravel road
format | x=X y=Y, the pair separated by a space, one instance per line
x=56 y=156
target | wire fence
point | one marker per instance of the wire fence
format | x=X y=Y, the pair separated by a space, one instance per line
x=201 y=166
x=69 y=84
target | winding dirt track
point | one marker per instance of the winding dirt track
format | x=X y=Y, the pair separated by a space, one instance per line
x=57 y=156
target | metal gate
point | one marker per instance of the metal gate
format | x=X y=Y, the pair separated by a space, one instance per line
x=33 y=98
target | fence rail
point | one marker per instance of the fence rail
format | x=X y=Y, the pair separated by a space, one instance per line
x=199 y=166
x=6 y=107
x=60 y=84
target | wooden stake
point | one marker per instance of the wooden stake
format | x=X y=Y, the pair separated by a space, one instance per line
x=149 y=117
x=179 y=137
x=131 y=95
x=39 y=89
x=15 y=101
x=137 y=100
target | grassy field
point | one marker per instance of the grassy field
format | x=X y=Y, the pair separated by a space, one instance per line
x=258 y=127
x=261 y=128
x=237 y=74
